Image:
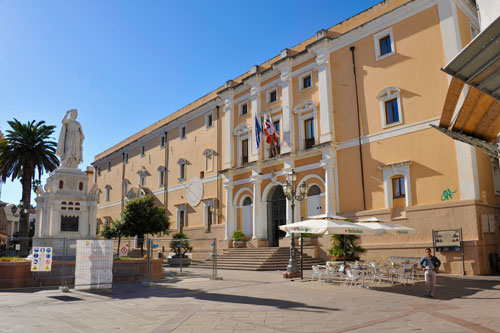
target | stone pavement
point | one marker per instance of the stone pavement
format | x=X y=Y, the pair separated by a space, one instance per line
x=255 y=301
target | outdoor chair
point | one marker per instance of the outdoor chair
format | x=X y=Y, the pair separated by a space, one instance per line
x=377 y=273
x=352 y=275
x=332 y=271
x=407 y=274
x=318 y=272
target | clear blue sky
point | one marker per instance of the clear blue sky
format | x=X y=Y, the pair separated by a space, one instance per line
x=126 y=64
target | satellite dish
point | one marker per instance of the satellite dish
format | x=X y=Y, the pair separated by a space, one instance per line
x=194 y=191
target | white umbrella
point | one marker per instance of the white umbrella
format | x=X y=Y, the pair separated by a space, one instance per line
x=384 y=227
x=327 y=226
x=328 y=216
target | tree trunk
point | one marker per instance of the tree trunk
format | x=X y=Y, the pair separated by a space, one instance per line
x=119 y=240
x=24 y=218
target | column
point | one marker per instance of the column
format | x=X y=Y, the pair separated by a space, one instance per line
x=229 y=138
x=287 y=103
x=39 y=216
x=258 y=220
x=329 y=163
x=92 y=218
x=229 y=209
x=325 y=97
x=255 y=106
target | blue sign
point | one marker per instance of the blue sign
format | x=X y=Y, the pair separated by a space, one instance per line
x=48 y=249
x=36 y=249
x=154 y=245
x=42 y=250
x=35 y=261
x=35 y=255
x=47 y=256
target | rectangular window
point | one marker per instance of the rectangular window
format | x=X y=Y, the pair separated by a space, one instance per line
x=306 y=82
x=162 y=178
x=202 y=174
x=182 y=219
x=183 y=132
x=162 y=141
x=208 y=162
x=398 y=187
x=182 y=171
x=273 y=96
x=385 y=45
x=309 y=133
x=391 y=111
x=107 y=193
x=142 y=180
x=210 y=120
x=244 y=151
x=125 y=187
x=243 y=109
x=125 y=158
x=99 y=171
x=143 y=151
x=109 y=166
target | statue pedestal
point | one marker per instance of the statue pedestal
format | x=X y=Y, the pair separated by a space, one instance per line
x=66 y=209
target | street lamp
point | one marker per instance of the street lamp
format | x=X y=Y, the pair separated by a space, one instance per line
x=291 y=195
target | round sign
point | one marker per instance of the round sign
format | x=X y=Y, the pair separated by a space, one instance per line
x=124 y=250
x=194 y=191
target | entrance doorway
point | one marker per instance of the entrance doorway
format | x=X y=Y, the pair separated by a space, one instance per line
x=247 y=216
x=314 y=201
x=276 y=215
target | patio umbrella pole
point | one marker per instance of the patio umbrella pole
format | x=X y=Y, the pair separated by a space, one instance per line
x=343 y=253
x=301 y=256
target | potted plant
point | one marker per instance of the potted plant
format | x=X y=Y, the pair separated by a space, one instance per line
x=305 y=239
x=238 y=239
x=180 y=245
x=352 y=250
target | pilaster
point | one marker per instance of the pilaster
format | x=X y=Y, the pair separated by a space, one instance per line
x=325 y=94
x=329 y=163
x=255 y=102
x=228 y=185
x=258 y=222
x=287 y=104
x=229 y=138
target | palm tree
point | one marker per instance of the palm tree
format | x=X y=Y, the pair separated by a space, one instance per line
x=25 y=149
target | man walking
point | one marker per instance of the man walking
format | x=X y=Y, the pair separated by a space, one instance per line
x=430 y=264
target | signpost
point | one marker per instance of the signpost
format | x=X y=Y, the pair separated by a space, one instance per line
x=42 y=259
x=124 y=251
x=449 y=241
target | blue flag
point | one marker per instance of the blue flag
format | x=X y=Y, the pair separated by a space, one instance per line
x=258 y=130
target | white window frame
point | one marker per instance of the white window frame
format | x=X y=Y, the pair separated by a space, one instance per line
x=301 y=111
x=109 y=166
x=181 y=207
x=142 y=176
x=163 y=141
x=143 y=150
x=108 y=192
x=386 y=95
x=242 y=132
x=185 y=132
x=182 y=164
x=396 y=169
x=125 y=183
x=207 y=203
x=209 y=153
x=240 y=108
x=161 y=174
x=495 y=169
x=126 y=158
x=376 y=39
x=268 y=95
x=207 y=115
x=301 y=80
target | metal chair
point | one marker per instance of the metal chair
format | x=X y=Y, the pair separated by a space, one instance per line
x=317 y=272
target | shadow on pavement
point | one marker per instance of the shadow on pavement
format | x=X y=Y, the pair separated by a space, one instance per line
x=446 y=289
x=124 y=292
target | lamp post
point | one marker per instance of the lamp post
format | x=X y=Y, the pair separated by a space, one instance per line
x=291 y=195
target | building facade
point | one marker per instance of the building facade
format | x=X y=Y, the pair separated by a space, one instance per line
x=353 y=106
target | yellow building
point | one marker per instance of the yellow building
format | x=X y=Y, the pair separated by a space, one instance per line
x=353 y=106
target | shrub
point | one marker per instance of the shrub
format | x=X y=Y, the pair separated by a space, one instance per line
x=184 y=247
x=238 y=235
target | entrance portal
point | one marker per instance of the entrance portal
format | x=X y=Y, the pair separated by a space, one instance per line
x=276 y=215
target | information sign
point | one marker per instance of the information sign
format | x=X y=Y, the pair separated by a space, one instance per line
x=94 y=264
x=447 y=240
x=41 y=259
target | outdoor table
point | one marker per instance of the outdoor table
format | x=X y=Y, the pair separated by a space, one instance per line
x=362 y=269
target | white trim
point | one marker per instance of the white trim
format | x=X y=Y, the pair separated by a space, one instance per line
x=242 y=98
x=237 y=194
x=209 y=153
x=161 y=169
x=390 y=133
x=240 y=109
x=207 y=203
x=302 y=108
x=182 y=164
x=376 y=40
x=271 y=84
x=268 y=95
x=395 y=169
x=242 y=132
x=312 y=176
x=384 y=96
x=301 y=80
x=207 y=115
x=306 y=68
x=181 y=207
x=108 y=192
x=283 y=172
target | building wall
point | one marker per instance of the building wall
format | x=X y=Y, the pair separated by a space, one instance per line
x=431 y=159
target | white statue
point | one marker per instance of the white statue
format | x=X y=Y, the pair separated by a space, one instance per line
x=69 y=147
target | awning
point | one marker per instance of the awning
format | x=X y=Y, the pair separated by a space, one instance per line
x=477 y=122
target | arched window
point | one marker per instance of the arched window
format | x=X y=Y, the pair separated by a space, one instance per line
x=314 y=190
x=247 y=201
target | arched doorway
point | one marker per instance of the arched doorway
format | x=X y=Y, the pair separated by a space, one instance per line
x=276 y=215
x=247 y=216
x=314 y=201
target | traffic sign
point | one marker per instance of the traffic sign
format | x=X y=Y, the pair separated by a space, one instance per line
x=124 y=251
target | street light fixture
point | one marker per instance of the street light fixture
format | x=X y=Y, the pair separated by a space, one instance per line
x=292 y=195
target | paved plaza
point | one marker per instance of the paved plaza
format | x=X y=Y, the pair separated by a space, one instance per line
x=256 y=301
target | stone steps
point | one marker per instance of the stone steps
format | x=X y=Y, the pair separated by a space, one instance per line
x=257 y=259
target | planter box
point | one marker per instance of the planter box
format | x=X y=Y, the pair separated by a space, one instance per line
x=19 y=275
x=177 y=261
x=239 y=244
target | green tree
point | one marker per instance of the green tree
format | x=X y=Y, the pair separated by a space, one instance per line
x=141 y=217
x=26 y=149
x=114 y=230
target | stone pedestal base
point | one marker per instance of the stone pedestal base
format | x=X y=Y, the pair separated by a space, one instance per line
x=287 y=275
